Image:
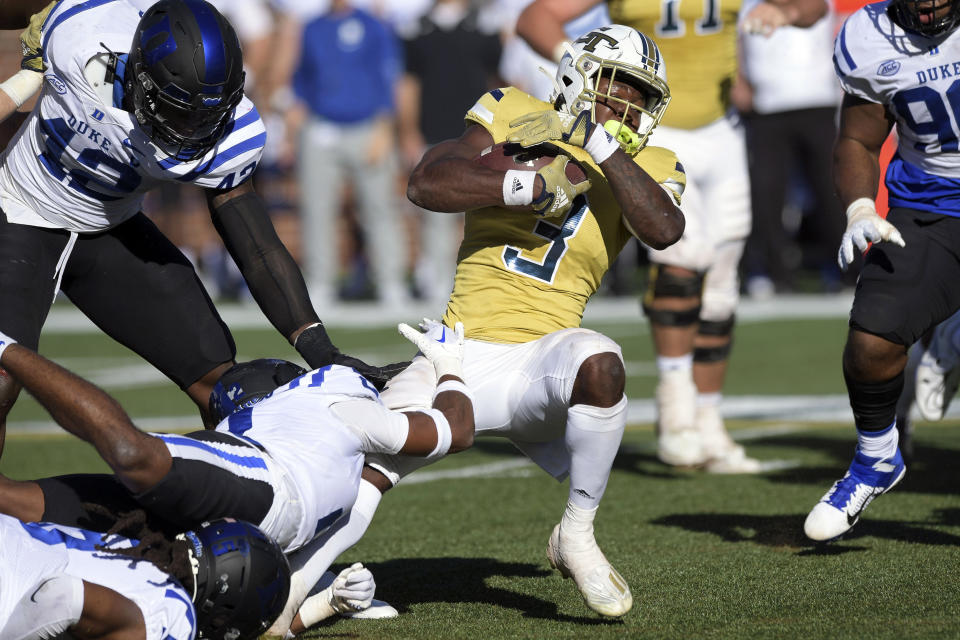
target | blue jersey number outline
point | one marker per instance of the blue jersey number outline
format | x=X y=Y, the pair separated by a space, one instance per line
x=559 y=237
x=56 y=136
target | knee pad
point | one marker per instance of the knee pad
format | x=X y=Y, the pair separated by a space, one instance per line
x=665 y=284
x=718 y=329
x=721 y=287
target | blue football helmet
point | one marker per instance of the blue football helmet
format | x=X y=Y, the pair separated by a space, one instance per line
x=247 y=383
x=241 y=579
x=927 y=17
x=184 y=76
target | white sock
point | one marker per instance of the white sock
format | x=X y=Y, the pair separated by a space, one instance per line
x=712 y=399
x=310 y=561
x=593 y=437
x=879 y=444
x=675 y=363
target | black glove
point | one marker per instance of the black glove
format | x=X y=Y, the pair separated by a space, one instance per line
x=315 y=346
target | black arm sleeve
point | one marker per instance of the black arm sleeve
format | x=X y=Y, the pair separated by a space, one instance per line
x=270 y=271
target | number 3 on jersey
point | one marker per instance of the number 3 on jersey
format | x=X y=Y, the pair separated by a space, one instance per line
x=558 y=236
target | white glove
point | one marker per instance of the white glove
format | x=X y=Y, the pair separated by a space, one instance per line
x=353 y=589
x=863 y=227
x=439 y=344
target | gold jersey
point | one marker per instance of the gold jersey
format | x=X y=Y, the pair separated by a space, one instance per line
x=698 y=40
x=520 y=277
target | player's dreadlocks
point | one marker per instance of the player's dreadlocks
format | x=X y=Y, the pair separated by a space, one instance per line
x=169 y=555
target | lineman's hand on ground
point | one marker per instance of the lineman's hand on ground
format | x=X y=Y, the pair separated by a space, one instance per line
x=353 y=589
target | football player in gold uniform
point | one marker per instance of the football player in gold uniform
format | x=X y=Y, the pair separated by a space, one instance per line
x=694 y=287
x=534 y=250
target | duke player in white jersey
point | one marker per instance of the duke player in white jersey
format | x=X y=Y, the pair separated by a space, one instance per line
x=65 y=580
x=290 y=462
x=899 y=63
x=130 y=102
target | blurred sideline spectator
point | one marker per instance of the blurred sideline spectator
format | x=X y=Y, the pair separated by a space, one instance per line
x=451 y=60
x=790 y=98
x=344 y=85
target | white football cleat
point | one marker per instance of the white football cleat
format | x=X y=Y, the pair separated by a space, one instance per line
x=722 y=453
x=603 y=588
x=378 y=610
x=938 y=373
x=840 y=508
x=678 y=443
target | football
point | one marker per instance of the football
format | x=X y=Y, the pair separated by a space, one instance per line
x=505 y=156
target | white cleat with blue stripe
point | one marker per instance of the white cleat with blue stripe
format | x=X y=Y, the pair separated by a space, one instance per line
x=840 y=508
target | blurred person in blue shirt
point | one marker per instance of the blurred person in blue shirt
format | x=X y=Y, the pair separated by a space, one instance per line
x=344 y=85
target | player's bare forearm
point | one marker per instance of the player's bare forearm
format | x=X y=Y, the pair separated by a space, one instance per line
x=856 y=170
x=541 y=23
x=801 y=13
x=458 y=409
x=645 y=205
x=107 y=615
x=87 y=412
x=864 y=126
x=452 y=183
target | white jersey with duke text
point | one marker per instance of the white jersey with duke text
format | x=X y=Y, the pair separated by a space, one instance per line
x=320 y=452
x=918 y=79
x=80 y=164
x=33 y=552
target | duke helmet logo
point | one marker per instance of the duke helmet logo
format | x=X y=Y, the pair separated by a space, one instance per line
x=58 y=85
x=888 y=68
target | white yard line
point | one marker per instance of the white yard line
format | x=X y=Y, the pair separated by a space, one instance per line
x=65 y=318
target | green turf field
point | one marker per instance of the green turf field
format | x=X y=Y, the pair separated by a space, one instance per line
x=460 y=549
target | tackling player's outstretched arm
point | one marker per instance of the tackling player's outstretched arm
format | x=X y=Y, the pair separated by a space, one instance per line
x=240 y=217
x=428 y=436
x=139 y=460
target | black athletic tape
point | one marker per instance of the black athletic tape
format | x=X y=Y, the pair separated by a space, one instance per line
x=712 y=354
x=716 y=327
x=874 y=404
x=669 y=318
